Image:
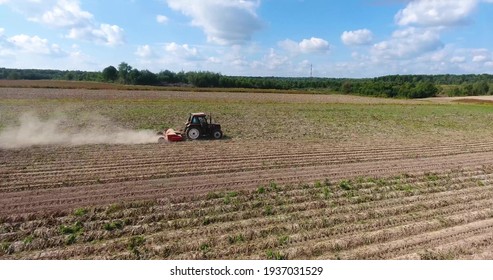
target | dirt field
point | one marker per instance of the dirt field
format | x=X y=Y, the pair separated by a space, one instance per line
x=378 y=196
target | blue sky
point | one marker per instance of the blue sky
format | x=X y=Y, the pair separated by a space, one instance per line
x=352 y=38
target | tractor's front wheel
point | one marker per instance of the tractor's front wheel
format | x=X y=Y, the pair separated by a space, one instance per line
x=218 y=134
x=193 y=134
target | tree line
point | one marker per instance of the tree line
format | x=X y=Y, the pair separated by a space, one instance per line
x=392 y=86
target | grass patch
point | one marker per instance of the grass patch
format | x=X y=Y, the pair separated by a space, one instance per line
x=134 y=244
x=326 y=192
x=113 y=225
x=345 y=185
x=261 y=190
x=79 y=212
x=233 y=239
x=75 y=228
x=275 y=255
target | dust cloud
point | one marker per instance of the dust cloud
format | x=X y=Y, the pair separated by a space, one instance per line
x=32 y=130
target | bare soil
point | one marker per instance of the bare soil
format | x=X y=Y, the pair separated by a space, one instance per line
x=403 y=198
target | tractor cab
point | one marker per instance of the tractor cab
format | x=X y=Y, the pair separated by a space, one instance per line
x=197 y=118
x=200 y=125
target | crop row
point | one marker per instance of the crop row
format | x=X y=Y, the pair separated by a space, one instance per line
x=359 y=218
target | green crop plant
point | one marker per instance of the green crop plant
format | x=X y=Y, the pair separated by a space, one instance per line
x=345 y=185
x=275 y=255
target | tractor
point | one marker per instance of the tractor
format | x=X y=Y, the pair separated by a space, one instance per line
x=198 y=125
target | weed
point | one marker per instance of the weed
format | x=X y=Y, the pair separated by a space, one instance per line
x=236 y=238
x=113 y=225
x=283 y=240
x=80 y=212
x=275 y=255
x=380 y=182
x=261 y=190
x=327 y=182
x=257 y=204
x=227 y=200
x=205 y=247
x=113 y=208
x=345 y=185
x=5 y=246
x=350 y=194
x=408 y=188
x=72 y=232
x=76 y=228
x=431 y=177
x=28 y=240
x=360 y=180
x=228 y=196
x=273 y=186
x=232 y=194
x=214 y=195
x=134 y=243
x=317 y=184
x=430 y=255
x=71 y=239
x=207 y=221
x=268 y=211
x=326 y=192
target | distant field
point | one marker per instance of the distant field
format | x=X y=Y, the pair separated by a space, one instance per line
x=63 y=84
x=299 y=176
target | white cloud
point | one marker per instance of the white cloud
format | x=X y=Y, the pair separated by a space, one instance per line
x=357 y=37
x=181 y=50
x=162 y=19
x=480 y=58
x=409 y=42
x=223 y=21
x=35 y=45
x=68 y=15
x=312 y=45
x=436 y=12
x=65 y=13
x=106 y=34
x=275 y=61
x=144 y=51
x=458 y=59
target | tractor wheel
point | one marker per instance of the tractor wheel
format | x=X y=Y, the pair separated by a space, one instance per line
x=193 y=134
x=218 y=134
x=161 y=140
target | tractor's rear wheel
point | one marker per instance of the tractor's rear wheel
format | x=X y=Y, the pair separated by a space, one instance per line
x=218 y=134
x=193 y=134
x=161 y=140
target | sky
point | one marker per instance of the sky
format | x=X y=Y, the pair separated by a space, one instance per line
x=289 y=38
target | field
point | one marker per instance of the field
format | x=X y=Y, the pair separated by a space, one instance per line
x=298 y=176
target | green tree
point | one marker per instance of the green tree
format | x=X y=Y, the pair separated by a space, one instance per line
x=123 y=72
x=110 y=74
x=146 y=77
x=480 y=88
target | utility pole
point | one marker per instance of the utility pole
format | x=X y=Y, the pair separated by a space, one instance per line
x=311 y=70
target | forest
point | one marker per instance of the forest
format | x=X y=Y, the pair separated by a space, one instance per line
x=392 y=86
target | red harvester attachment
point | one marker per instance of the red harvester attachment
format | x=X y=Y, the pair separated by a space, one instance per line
x=171 y=136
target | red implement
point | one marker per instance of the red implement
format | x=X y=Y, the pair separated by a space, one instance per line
x=173 y=136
